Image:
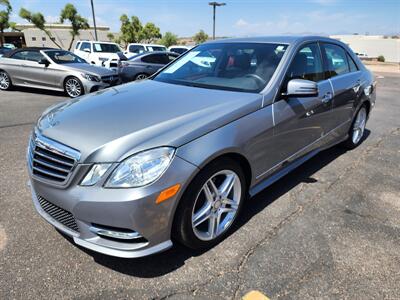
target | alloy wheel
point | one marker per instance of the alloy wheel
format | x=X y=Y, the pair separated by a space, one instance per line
x=359 y=125
x=73 y=87
x=216 y=205
x=141 y=77
x=4 y=81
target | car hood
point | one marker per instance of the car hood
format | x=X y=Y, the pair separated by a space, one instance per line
x=111 y=124
x=87 y=68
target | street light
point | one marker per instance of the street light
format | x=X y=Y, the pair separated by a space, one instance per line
x=214 y=5
x=94 y=21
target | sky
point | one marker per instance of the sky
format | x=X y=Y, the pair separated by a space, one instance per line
x=238 y=17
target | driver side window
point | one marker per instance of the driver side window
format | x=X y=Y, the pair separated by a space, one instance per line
x=307 y=64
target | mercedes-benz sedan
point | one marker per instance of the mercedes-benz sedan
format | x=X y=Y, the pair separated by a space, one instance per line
x=53 y=69
x=131 y=169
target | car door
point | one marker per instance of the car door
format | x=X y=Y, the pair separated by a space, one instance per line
x=85 y=51
x=35 y=73
x=301 y=121
x=345 y=77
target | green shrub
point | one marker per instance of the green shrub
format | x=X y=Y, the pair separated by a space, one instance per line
x=381 y=58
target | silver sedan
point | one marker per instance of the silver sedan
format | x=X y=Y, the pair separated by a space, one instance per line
x=53 y=69
x=129 y=171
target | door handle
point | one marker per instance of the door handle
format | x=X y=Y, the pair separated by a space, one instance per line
x=327 y=97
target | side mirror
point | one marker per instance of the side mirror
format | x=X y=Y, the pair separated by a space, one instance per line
x=44 y=61
x=86 y=50
x=302 y=88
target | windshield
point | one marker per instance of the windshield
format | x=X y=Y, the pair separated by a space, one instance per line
x=108 y=48
x=64 y=57
x=246 y=67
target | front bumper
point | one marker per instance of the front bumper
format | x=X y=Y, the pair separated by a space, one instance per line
x=129 y=209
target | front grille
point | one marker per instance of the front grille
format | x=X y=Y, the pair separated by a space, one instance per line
x=57 y=213
x=110 y=79
x=50 y=161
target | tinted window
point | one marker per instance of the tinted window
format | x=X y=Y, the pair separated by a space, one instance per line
x=77 y=45
x=136 y=48
x=336 y=60
x=64 y=57
x=107 y=48
x=352 y=64
x=85 y=46
x=179 y=50
x=154 y=59
x=171 y=57
x=307 y=64
x=28 y=55
x=245 y=67
x=156 y=48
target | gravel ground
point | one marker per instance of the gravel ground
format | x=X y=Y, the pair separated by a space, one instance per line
x=330 y=229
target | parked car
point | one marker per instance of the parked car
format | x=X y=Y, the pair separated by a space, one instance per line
x=143 y=65
x=135 y=48
x=130 y=170
x=102 y=54
x=53 y=69
x=178 y=49
x=4 y=50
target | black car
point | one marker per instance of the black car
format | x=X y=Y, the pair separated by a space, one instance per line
x=143 y=65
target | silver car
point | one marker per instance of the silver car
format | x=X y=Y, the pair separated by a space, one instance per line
x=131 y=169
x=53 y=69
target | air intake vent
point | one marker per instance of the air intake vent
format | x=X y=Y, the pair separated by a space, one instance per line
x=58 y=214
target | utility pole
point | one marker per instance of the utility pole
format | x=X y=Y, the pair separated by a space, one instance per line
x=94 y=21
x=214 y=5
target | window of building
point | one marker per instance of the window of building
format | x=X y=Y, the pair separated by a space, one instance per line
x=44 y=39
x=33 y=39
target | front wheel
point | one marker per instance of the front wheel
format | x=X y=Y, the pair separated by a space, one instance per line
x=210 y=205
x=73 y=87
x=141 y=76
x=5 y=81
x=357 y=129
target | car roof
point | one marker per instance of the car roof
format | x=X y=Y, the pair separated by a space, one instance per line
x=9 y=54
x=282 y=39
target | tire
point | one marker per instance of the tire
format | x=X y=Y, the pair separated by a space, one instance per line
x=192 y=227
x=357 y=129
x=5 y=81
x=73 y=87
x=141 y=76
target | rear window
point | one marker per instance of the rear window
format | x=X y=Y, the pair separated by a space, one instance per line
x=107 y=48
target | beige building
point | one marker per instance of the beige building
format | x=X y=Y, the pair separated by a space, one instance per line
x=34 y=37
x=373 y=45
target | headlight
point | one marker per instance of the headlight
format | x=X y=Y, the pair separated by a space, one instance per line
x=141 y=169
x=91 y=77
x=95 y=174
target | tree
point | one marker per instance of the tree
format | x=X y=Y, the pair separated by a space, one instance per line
x=39 y=21
x=131 y=30
x=77 y=21
x=200 y=37
x=169 y=39
x=150 y=32
x=4 y=18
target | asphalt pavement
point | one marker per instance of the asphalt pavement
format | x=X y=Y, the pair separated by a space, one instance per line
x=330 y=229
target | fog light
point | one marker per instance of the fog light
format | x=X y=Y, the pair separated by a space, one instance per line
x=121 y=234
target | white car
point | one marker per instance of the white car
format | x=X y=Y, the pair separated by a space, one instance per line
x=135 y=48
x=179 y=49
x=103 y=54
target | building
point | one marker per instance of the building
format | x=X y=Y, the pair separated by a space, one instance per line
x=30 y=36
x=373 y=45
